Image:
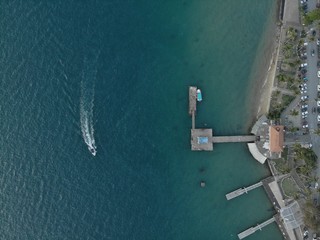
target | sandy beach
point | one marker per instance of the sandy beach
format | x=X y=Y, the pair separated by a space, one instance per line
x=268 y=83
x=264 y=71
x=265 y=77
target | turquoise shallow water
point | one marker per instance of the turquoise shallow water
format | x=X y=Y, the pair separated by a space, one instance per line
x=116 y=75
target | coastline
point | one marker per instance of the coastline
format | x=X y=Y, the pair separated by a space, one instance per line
x=268 y=83
x=285 y=12
x=263 y=77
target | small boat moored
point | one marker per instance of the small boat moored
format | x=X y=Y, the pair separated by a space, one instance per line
x=199 y=95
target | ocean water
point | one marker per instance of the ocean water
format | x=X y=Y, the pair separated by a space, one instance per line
x=113 y=76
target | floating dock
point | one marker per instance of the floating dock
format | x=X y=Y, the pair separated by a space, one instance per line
x=252 y=230
x=241 y=191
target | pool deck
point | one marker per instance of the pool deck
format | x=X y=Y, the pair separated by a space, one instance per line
x=200 y=132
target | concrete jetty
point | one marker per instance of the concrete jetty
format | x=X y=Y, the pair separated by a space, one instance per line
x=241 y=191
x=252 y=230
x=202 y=139
x=231 y=139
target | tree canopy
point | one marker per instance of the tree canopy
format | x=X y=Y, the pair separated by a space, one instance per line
x=312 y=16
x=307 y=155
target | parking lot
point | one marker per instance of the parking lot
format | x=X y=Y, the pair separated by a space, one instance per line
x=309 y=72
x=309 y=87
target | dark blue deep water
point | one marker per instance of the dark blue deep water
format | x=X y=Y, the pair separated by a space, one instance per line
x=114 y=75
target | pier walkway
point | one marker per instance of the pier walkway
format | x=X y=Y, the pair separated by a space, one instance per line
x=202 y=139
x=193 y=120
x=192 y=100
x=252 y=230
x=231 y=139
x=241 y=191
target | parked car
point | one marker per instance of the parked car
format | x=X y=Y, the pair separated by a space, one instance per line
x=318 y=118
x=303 y=71
x=303 y=86
x=312 y=52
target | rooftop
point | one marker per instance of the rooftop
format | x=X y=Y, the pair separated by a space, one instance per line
x=292 y=215
x=276 y=138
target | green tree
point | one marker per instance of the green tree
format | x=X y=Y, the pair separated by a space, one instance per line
x=309 y=157
x=294 y=112
x=282 y=77
x=311 y=215
x=291 y=34
x=312 y=16
x=317 y=131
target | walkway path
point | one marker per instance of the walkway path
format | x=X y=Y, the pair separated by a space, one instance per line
x=227 y=139
x=283 y=91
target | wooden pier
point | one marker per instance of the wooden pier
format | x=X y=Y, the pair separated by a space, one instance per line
x=193 y=105
x=203 y=139
x=252 y=230
x=192 y=99
x=232 y=139
x=241 y=191
x=193 y=120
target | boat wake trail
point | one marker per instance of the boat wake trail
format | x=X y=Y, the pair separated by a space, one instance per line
x=87 y=102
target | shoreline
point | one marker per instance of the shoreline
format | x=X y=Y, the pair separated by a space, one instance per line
x=262 y=77
x=269 y=79
x=263 y=73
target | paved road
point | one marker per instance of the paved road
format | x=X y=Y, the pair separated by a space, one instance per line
x=312 y=84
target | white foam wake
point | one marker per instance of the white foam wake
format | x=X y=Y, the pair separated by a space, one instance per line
x=87 y=104
x=86 y=120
